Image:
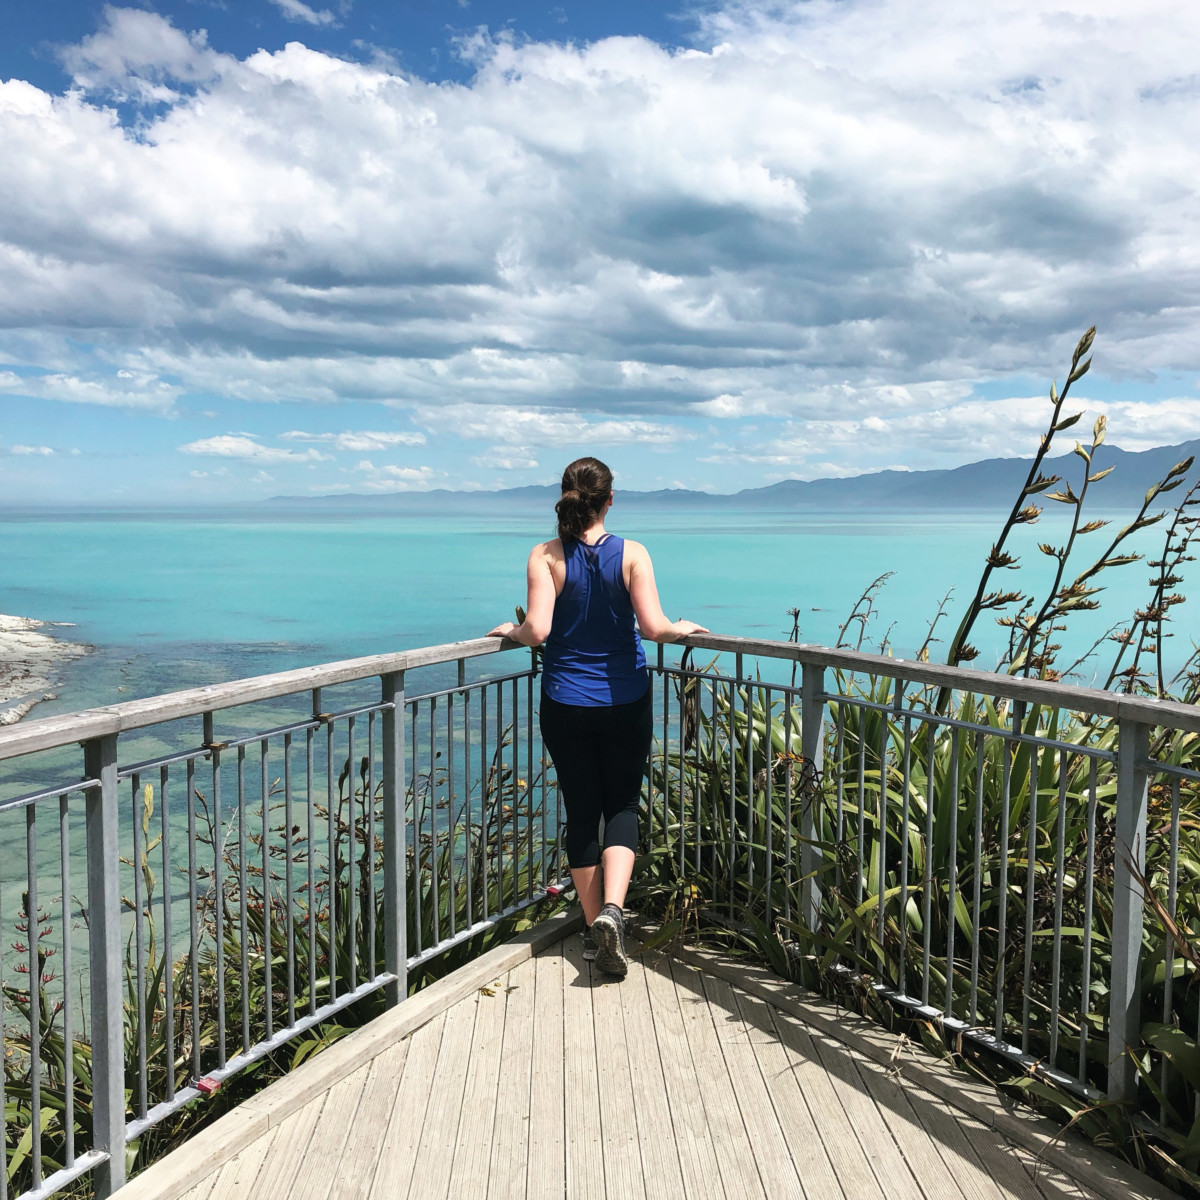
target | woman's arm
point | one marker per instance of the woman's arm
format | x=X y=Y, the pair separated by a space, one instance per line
x=643 y=591
x=539 y=605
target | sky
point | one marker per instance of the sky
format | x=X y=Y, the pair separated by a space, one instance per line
x=279 y=248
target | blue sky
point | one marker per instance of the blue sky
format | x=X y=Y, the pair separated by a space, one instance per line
x=286 y=248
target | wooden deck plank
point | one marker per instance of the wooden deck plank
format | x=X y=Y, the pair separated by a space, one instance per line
x=677 y=1082
x=510 y=1130
x=547 y=1130
x=235 y=1180
x=697 y=1156
x=285 y=1155
x=324 y=1150
x=622 y=1150
x=651 y=1105
x=360 y=1155
x=398 y=1149
x=735 y=1153
x=431 y=1172
x=1052 y=1183
x=473 y=1146
x=846 y=1157
x=875 y=1138
x=931 y=1178
x=800 y=1126
x=780 y=1177
x=581 y=1085
x=963 y=1156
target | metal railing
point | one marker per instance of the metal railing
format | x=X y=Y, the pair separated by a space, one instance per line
x=315 y=837
x=971 y=845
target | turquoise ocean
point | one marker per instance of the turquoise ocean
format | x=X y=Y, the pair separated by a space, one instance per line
x=177 y=599
x=174 y=599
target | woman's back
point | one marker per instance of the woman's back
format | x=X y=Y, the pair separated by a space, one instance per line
x=593 y=655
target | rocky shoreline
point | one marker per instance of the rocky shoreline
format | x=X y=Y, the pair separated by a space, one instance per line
x=30 y=661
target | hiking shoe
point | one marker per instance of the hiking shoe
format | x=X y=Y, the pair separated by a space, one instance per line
x=609 y=931
x=589 y=944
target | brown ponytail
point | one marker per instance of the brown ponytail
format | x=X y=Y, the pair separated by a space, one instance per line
x=586 y=486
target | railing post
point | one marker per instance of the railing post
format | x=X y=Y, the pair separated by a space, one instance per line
x=395 y=856
x=812 y=746
x=1124 y=1021
x=104 y=970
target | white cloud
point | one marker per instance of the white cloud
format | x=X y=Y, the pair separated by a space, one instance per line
x=361 y=442
x=823 y=214
x=39 y=451
x=123 y=389
x=243 y=446
x=391 y=478
x=295 y=10
x=505 y=462
x=542 y=427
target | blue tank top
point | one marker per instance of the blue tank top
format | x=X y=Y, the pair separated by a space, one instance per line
x=593 y=655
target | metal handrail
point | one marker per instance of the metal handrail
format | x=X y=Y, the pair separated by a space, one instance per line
x=423 y=758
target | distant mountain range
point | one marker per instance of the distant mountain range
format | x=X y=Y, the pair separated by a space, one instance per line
x=990 y=484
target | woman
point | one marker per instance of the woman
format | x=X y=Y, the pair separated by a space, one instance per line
x=585 y=588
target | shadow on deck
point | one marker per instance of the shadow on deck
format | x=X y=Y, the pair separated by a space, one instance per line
x=547 y=1079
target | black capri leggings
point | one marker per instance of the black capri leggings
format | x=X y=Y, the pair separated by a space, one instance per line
x=599 y=755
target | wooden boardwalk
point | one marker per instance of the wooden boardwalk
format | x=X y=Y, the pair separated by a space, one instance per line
x=553 y=1082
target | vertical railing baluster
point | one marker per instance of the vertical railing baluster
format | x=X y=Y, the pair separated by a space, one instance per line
x=746 y=692
x=435 y=866
x=812 y=749
x=418 y=804
x=881 y=842
x=395 y=857
x=68 y=976
x=977 y=881
x=243 y=912
x=452 y=831
x=1056 y=951
x=1002 y=857
x=168 y=953
x=732 y=840
x=311 y=857
x=268 y=948
x=952 y=880
x=351 y=860
x=905 y=817
x=769 y=807
x=193 y=918
x=34 y=968
x=104 y=963
x=140 y=948
x=664 y=773
x=289 y=883
x=528 y=789
x=369 y=850
x=468 y=821
x=516 y=792
x=486 y=800
x=861 y=833
x=331 y=861
x=1089 y=889
x=681 y=789
x=1169 y=956
x=927 y=871
x=1124 y=1022
x=1030 y=891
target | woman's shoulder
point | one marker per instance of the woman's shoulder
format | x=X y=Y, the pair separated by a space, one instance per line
x=549 y=551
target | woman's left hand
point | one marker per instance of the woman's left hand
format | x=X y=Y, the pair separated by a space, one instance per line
x=502 y=630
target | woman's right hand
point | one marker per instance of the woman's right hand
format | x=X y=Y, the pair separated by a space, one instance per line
x=683 y=628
